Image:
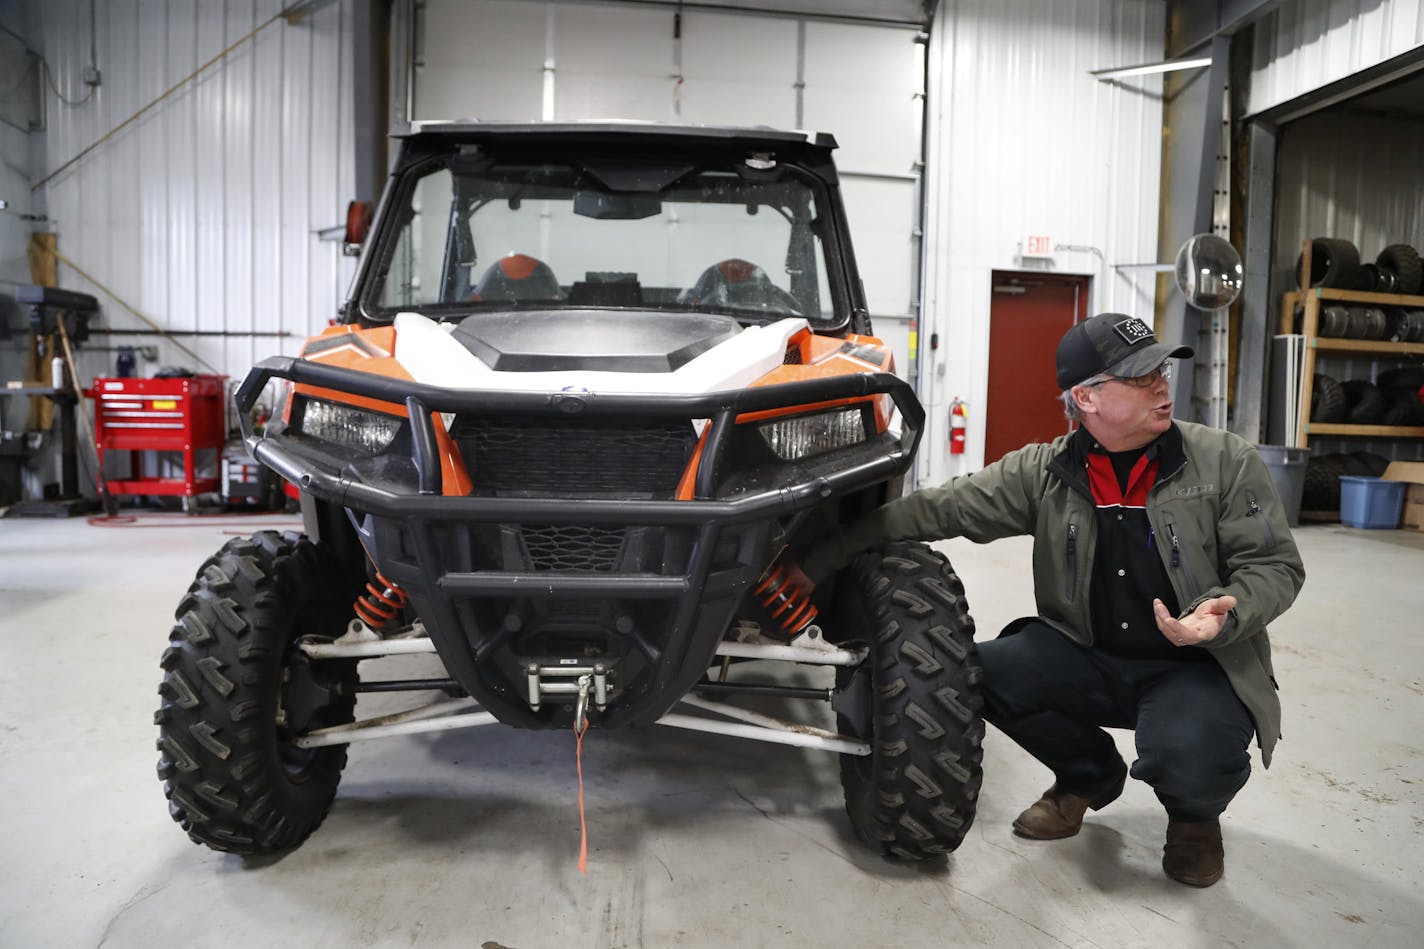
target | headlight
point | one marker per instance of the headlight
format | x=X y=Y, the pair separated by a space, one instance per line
x=806 y=435
x=349 y=427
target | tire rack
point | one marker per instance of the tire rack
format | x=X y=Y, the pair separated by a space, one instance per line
x=1310 y=297
x=181 y=415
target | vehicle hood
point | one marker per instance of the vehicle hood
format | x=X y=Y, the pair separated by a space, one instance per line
x=672 y=353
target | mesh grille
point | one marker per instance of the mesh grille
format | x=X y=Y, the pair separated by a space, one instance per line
x=571 y=547
x=595 y=458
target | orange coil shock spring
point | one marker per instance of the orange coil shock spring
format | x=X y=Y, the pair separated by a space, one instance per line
x=380 y=606
x=786 y=599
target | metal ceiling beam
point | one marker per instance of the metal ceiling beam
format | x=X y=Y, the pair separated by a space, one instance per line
x=902 y=13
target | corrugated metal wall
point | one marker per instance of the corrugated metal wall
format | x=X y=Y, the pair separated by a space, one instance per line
x=203 y=213
x=1339 y=174
x=1352 y=176
x=1310 y=43
x=1355 y=177
x=1023 y=140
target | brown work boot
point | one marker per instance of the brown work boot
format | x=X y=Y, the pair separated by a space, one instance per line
x=1193 y=853
x=1059 y=814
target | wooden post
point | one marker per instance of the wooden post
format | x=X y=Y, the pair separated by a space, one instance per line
x=41 y=350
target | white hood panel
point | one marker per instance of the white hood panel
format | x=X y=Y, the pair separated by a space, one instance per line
x=426 y=350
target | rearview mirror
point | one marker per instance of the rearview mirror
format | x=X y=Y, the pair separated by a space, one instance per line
x=358 y=226
x=605 y=206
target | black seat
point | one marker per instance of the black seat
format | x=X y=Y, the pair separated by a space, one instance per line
x=515 y=278
x=740 y=285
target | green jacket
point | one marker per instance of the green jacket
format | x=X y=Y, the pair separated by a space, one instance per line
x=1219 y=525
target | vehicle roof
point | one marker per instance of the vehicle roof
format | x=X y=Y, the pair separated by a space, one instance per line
x=469 y=130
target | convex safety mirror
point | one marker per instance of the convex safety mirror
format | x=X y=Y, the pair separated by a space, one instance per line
x=1209 y=272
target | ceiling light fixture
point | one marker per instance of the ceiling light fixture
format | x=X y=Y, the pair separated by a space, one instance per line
x=1146 y=69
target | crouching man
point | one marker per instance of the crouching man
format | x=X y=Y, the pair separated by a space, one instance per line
x=1161 y=551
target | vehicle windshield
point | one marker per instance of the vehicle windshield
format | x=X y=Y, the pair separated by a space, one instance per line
x=478 y=233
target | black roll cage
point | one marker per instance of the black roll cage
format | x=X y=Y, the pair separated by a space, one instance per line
x=669 y=144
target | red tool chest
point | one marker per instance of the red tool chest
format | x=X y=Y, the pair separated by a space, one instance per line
x=185 y=415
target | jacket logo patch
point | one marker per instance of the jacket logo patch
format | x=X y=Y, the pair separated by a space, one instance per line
x=1133 y=331
x=1192 y=490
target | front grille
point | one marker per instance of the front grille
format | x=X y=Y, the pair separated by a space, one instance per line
x=572 y=547
x=593 y=458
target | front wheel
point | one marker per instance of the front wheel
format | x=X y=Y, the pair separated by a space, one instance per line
x=916 y=700
x=236 y=691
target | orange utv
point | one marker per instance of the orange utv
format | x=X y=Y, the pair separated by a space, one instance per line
x=591 y=386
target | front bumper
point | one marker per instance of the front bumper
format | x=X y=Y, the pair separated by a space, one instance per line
x=656 y=615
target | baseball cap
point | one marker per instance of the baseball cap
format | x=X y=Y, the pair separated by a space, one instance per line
x=1115 y=344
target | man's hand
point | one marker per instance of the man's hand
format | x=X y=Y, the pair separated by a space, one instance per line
x=1201 y=625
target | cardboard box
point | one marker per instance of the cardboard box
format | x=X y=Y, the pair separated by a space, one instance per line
x=1412 y=515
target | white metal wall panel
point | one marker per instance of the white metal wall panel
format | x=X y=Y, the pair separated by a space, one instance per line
x=865 y=85
x=757 y=86
x=1308 y=44
x=14 y=232
x=14 y=188
x=882 y=215
x=483 y=61
x=868 y=86
x=1023 y=140
x=203 y=214
x=613 y=62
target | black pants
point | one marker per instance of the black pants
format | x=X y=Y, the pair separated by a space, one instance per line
x=1054 y=697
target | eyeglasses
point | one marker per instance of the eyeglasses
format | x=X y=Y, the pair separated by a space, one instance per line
x=1137 y=382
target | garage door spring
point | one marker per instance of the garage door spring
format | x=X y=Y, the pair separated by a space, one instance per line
x=380 y=606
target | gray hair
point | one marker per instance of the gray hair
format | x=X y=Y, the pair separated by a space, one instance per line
x=1070 y=405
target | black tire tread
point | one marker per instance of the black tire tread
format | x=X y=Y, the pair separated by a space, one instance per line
x=1334 y=262
x=1404 y=262
x=1364 y=402
x=218 y=743
x=915 y=796
x=1327 y=399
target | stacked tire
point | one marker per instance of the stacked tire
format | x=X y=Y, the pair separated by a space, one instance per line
x=1335 y=262
x=1397 y=399
x=1406 y=325
x=1322 y=477
x=1403 y=390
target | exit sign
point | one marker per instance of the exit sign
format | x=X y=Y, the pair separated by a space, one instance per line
x=1037 y=245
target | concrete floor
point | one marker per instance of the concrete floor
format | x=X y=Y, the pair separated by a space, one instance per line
x=471 y=838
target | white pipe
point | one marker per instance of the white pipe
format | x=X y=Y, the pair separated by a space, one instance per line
x=819 y=655
x=360 y=731
x=842 y=745
x=384 y=647
x=757 y=718
x=419 y=713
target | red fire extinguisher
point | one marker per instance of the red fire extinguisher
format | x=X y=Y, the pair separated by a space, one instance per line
x=958 y=423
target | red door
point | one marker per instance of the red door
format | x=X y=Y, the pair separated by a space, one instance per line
x=1028 y=315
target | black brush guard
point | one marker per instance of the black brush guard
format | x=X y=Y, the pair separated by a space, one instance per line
x=422 y=539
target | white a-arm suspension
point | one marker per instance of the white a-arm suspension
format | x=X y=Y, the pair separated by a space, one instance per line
x=447 y=715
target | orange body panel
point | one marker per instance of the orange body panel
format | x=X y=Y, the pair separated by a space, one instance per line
x=370 y=351
x=826 y=356
x=821 y=357
x=688 y=481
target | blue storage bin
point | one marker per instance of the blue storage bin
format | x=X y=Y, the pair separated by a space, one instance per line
x=1370 y=502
